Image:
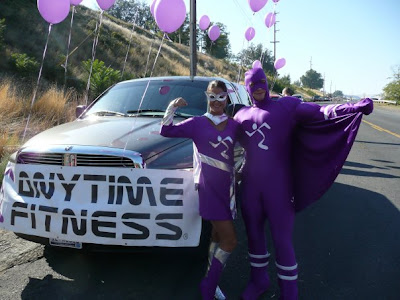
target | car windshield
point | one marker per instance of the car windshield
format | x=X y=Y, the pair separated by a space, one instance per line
x=144 y=97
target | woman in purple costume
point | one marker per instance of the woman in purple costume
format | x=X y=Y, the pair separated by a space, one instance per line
x=214 y=138
x=294 y=151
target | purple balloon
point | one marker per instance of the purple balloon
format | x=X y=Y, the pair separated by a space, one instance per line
x=256 y=5
x=250 y=33
x=214 y=32
x=152 y=5
x=270 y=19
x=204 y=22
x=76 y=2
x=53 y=11
x=105 y=4
x=257 y=64
x=170 y=14
x=280 y=63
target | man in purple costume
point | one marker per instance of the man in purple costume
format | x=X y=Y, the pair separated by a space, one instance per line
x=294 y=151
x=214 y=137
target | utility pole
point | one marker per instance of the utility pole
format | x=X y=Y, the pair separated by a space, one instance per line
x=311 y=63
x=193 y=39
x=275 y=41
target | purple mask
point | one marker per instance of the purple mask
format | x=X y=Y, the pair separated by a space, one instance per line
x=255 y=79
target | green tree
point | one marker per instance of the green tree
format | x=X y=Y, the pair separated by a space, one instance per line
x=338 y=94
x=392 y=89
x=256 y=52
x=312 y=79
x=285 y=80
x=221 y=47
x=297 y=83
x=133 y=11
x=102 y=76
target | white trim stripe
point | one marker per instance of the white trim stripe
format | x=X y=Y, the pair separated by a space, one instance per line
x=326 y=114
x=283 y=277
x=259 y=265
x=334 y=110
x=259 y=255
x=215 y=163
x=289 y=268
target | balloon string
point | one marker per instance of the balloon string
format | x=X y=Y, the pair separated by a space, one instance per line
x=240 y=65
x=94 y=46
x=129 y=46
x=69 y=43
x=134 y=119
x=37 y=83
x=148 y=57
x=158 y=53
x=145 y=90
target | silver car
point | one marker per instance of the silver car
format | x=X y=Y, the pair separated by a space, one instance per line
x=109 y=178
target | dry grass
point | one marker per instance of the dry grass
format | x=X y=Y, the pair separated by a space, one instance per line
x=10 y=106
x=51 y=107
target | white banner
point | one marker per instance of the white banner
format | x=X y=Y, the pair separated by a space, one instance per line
x=113 y=206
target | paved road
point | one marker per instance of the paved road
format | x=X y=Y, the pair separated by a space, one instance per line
x=347 y=244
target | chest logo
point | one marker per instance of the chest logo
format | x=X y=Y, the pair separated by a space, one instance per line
x=223 y=142
x=258 y=129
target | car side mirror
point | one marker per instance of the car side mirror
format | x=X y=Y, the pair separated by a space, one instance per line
x=79 y=110
x=232 y=109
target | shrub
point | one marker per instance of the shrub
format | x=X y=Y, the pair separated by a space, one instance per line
x=102 y=76
x=24 y=65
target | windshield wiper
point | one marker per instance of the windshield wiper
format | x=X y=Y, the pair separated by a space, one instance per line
x=147 y=111
x=144 y=111
x=109 y=113
x=183 y=115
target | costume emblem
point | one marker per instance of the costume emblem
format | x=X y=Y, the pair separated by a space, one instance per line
x=258 y=129
x=222 y=141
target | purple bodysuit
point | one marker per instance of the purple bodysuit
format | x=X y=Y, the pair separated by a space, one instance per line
x=294 y=151
x=213 y=163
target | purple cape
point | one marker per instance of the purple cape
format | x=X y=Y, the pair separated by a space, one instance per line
x=319 y=152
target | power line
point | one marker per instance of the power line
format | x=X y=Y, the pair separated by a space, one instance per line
x=243 y=12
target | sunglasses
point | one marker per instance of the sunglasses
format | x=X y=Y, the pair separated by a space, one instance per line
x=216 y=97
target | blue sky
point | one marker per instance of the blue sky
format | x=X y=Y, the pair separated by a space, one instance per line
x=354 y=44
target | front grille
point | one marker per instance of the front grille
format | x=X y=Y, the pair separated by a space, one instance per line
x=41 y=158
x=87 y=160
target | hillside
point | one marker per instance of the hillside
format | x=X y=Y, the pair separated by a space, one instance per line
x=26 y=33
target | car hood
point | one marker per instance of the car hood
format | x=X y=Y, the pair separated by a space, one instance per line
x=140 y=134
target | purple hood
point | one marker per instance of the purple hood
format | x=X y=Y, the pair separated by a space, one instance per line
x=255 y=79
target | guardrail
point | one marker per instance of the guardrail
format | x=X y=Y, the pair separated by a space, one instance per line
x=386 y=101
